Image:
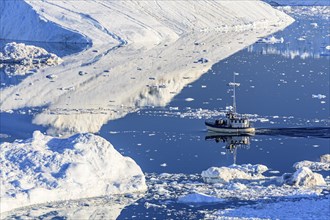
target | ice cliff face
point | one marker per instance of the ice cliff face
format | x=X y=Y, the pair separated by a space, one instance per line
x=46 y=169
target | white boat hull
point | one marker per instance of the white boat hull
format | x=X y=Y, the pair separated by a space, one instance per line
x=231 y=130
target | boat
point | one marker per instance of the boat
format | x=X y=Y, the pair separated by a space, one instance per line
x=233 y=123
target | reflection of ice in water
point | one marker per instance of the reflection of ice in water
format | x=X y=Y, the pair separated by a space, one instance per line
x=310 y=43
x=95 y=208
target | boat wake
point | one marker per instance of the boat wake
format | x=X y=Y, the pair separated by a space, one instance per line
x=318 y=132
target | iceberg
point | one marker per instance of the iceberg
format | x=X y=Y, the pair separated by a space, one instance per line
x=130 y=40
x=303 y=177
x=47 y=169
x=323 y=164
x=18 y=58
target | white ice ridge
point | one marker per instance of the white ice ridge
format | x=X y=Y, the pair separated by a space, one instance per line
x=18 y=58
x=46 y=169
x=143 y=54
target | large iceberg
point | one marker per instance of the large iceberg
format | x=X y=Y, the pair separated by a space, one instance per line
x=143 y=53
x=46 y=169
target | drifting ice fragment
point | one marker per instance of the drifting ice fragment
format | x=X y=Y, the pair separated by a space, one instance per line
x=199 y=198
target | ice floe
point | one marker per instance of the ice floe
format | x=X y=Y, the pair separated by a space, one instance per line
x=318 y=96
x=272 y=40
x=323 y=164
x=18 y=58
x=303 y=177
x=199 y=198
x=46 y=169
x=234 y=172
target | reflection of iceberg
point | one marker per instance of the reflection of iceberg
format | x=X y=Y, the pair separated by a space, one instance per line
x=147 y=60
x=307 y=37
x=95 y=208
x=287 y=53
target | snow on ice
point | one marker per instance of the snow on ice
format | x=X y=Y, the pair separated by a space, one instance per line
x=18 y=58
x=323 y=164
x=303 y=177
x=46 y=169
x=226 y=174
x=199 y=198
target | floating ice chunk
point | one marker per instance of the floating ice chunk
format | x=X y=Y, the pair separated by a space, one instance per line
x=23 y=58
x=189 y=99
x=315 y=166
x=263 y=120
x=327 y=47
x=163 y=165
x=318 y=96
x=252 y=169
x=302 y=177
x=151 y=205
x=324 y=164
x=325 y=158
x=46 y=169
x=199 y=198
x=236 y=186
x=315 y=25
x=226 y=174
x=223 y=174
x=272 y=40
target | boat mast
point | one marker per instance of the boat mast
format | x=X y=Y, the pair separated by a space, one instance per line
x=234 y=85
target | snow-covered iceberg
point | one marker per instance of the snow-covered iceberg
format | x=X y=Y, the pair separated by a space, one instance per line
x=46 y=169
x=18 y=58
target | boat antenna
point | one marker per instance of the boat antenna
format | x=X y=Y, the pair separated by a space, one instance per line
x=234 y=85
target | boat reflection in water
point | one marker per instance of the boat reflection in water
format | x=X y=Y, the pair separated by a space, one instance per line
x=233 y=142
